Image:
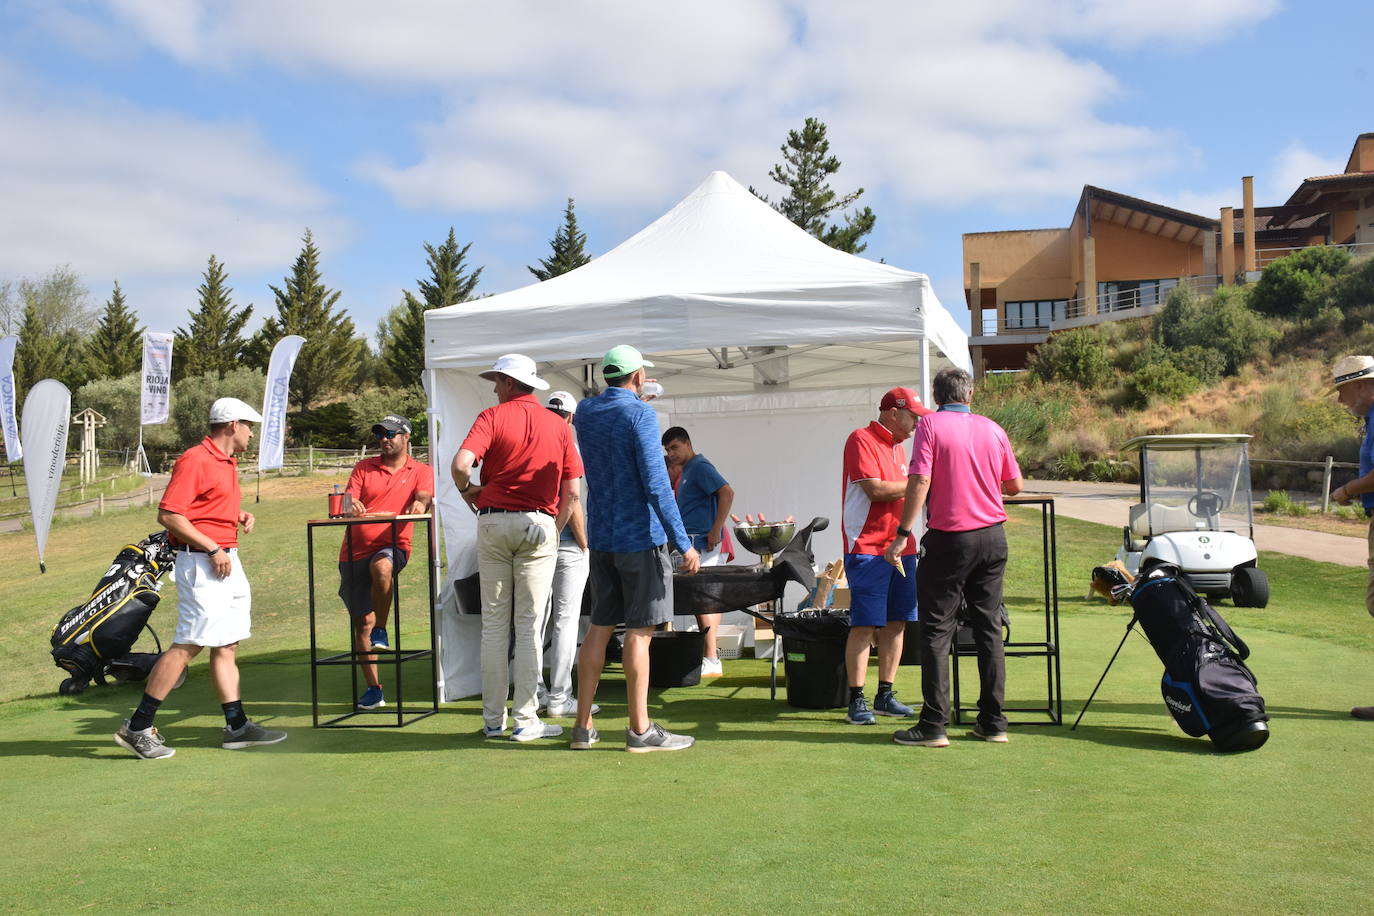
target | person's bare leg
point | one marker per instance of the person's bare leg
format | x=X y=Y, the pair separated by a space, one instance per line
x=709 y=624
x=891 y=638
x=169 y=669
x=591 y=660
x=381 y=569
x=362 y=642
x=224 y=672
x=636 y=662
x=856 y=654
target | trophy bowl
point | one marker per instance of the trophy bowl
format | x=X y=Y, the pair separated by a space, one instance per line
x=765 y=540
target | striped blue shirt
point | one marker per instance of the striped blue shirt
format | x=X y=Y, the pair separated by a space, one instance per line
x=630 y=502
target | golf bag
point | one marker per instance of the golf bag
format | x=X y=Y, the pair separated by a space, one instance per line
x=1206 y=684
x=93 y=639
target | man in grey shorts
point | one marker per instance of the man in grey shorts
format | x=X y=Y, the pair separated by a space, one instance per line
x=630 y=518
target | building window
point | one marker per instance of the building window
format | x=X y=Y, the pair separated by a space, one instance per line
x=1130 y=294
x=1023 y=316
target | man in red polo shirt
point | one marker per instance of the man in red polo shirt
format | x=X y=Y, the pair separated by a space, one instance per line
x=882 y=599
x=529 y=468
x=392 y=483
x=201 y=512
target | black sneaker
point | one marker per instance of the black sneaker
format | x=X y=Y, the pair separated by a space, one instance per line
x=250 y=734
x=147 y=743
x=921 y=736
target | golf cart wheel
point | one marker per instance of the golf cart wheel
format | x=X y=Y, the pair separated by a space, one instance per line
x=1249 y=587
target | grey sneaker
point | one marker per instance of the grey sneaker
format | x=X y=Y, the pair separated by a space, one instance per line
x=535 y=732
x=997 y=737
x=656 y=739
x=251 y=734
x=147 y=744
x=584 y=738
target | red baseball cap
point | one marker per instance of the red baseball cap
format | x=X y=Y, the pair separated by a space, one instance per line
x=905 y=398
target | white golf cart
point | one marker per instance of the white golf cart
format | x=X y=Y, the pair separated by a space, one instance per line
x=1195 y=512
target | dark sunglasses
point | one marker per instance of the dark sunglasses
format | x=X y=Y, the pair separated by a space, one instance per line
x=387 y=433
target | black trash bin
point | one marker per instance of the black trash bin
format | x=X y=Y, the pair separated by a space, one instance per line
x=813 y=657
x=675 y=658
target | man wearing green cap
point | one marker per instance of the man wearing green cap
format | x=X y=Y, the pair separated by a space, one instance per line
x=631 y=517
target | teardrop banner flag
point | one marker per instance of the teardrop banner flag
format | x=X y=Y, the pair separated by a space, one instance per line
x=8 y=414
x=47 y=414
x=157 y=377
x=272 y=442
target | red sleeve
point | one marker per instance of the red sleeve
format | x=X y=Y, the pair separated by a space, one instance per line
x=861 y=460
x=184 y=486
x=424 y=480
x=479 y=437
x=355 y=482
x=572 y=461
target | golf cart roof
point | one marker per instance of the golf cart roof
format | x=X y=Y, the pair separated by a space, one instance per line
x=1185 y=441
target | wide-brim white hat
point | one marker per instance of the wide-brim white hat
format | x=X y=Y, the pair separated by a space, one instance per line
x=519 y=367
x=1352 y=369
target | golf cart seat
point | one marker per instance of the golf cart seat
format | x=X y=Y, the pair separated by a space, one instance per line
x=1161 y=519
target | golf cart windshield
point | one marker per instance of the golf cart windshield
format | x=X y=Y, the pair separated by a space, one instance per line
x=1193 y=483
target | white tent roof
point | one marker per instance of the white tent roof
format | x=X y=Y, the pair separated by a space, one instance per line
x=721 y=269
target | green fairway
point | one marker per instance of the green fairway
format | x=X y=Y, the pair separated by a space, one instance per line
x=776 y=809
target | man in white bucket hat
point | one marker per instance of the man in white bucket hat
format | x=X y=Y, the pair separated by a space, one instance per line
x=1353 y=377
x=529 y=475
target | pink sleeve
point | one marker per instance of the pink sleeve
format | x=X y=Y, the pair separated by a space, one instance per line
x=922 y=450
x=1010 y=469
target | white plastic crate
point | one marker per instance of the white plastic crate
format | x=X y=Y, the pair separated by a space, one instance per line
x=729 y=640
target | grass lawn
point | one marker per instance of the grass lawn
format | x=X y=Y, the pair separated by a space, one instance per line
x=776 y=809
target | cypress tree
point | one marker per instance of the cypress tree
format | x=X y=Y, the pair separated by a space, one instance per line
x=569 y=248
x=449 y=282
x=214 y=341
x=116 y=347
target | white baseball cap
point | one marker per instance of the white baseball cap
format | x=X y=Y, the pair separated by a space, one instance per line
x=227 y=410
x=519 y=367
x=562 y=400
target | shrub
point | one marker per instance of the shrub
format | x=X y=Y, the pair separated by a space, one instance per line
x=192 y=397
x=1070 y=466
x=1027 y=413
x=1078 y=357
x=1222 y=322
x=118 y=401
x=1278 y=502
x=373 y=404
x=1159 y=381
x=329 y=426
x=1296 y=284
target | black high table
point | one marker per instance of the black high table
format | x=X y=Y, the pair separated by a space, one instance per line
x=1052 y=713
x=396 y=657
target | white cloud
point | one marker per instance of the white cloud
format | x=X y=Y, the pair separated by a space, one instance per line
x=1291 y=166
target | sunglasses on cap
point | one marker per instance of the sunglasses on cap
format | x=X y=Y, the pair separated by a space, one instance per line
x=386 y=433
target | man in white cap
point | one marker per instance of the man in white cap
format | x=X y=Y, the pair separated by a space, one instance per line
x=565 y=604
x=527 y=491
x=201 y=512
x=1354 y=380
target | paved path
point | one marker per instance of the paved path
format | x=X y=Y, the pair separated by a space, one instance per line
x=1106 y=504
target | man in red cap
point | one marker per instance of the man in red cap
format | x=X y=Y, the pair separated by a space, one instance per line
x=882 y=597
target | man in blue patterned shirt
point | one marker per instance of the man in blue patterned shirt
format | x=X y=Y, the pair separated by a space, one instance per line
x=1354 y=380
x=631 y=515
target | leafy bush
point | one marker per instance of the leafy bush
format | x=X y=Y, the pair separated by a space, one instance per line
x=1222 y=322
x=1070 y=466
x=1078 y=357
x=330 y=426
x=1027 y=413
x=1202 y=363
x=1295 y=285
x=371 y=405
x=1159 y=381
x=1278 y=502
x=192 y=397
x=117 y=400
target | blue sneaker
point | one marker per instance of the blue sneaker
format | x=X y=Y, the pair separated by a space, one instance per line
x=887 y=704
x=859 y=713
x=371 y=699
x=379 y=638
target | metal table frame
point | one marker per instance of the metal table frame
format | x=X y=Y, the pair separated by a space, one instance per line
x=396 y=657
x=1048 y=649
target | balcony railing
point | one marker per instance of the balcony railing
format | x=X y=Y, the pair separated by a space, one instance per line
x=1266 y=256
x=1123 y=301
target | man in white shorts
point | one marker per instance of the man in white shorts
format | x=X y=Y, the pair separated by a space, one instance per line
x=201 y=512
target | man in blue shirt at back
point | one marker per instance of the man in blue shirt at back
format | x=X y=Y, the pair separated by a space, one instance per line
x=631 y=516
x=1354 y=380
x=704 y=500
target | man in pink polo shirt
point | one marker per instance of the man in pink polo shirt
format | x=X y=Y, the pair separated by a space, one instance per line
x=882 y=599
x=961 y=466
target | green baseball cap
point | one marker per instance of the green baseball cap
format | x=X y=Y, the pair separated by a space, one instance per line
x=622 y=360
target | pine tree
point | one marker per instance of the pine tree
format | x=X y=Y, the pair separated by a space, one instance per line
x=809 y=201
x=569 y=248
x=116 y=347
x=213 y=342
x=329 y=359
x=43 y=353
x=403 y=345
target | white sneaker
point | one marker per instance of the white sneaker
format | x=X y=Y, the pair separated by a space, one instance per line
x=535 y=732
x=567 y=710
x=711 y=667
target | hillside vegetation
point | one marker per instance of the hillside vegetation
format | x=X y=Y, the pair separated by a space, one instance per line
x=1253 y=359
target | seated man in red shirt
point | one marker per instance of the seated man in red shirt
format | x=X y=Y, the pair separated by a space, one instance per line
x=369 y=562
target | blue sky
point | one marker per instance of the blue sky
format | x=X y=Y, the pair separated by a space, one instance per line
x=137 y=137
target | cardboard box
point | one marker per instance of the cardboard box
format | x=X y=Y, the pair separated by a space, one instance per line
x=839 y=597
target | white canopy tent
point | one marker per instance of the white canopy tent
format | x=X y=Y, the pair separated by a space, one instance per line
x=771 y=346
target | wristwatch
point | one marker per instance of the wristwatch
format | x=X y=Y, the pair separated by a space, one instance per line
x=903 y=532
x=211 y=553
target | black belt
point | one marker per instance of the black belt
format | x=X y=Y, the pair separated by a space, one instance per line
x=187 y=548
x=490 y=509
